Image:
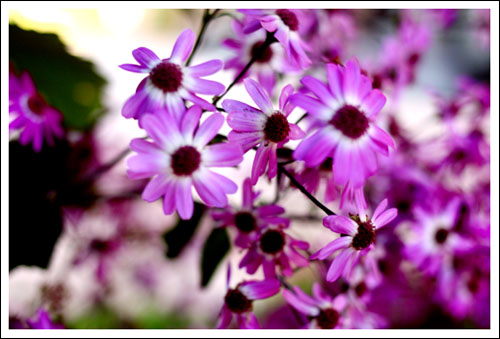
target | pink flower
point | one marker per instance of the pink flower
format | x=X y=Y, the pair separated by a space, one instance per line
x=169 y=83
x=179 y=158
x=238 y=301
x=249 y=219
x=358 y=237
x=324 y=311
x=32 y=115
x=346 y=109
x=284 y=23
x=273 y=249
x=268 y=127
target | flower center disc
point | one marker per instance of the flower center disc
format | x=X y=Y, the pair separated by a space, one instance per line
x=237 y=302
x=289 y=18
x=166 y=76
x=36 y=104
x=272 y=242
x=441 y=235
x=276 y=128
x=350 y=121
x=245 y=222
x=365 y=236
x=263 y=56
x=185 y=160
x=328 y=318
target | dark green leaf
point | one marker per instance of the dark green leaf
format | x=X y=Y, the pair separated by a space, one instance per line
x=216 y=247
x=180 y=235
x=68 y=83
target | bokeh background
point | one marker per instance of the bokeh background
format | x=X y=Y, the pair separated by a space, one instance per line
x=155 y=277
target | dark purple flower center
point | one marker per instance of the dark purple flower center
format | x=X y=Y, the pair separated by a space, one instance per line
x=360 y=289
x=377 y=81
x=166 y=76
x=289 y=18
x=392 y=74
x=413 y=59
x=272 y=241
x=473 y=285
x=185 y=160
x=327 y=164
x=54 y=295
x=36 y=104
x=276 y=128
x=327 y=318
x=237 y=302
x=350 y=121
x=245 y=222
x=459 y=154
x=441 y=235
x=263 y=56
x=365 y=236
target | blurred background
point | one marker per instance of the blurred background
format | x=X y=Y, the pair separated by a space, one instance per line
x=127 y=265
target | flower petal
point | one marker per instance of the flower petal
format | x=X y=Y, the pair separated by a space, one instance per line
x=134 y=68
x=190 y=120
x=246 y=122
x=338 y=264
x=320 y=90
x=316 y=148
x=385 y=218
x=204 y=69
x=145 y=57
x=254 y=290
x=259 y=96
x=299 y=305
x=203 y=86
x=230 y=106
x=333 y=246
x=260 y=162
x=340 y=224
x=373 y=103
x=312 y=106
x=208 y=129
x=222 y=155
x=183 y=46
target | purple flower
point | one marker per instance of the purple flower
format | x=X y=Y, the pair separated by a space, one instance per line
x=32 y=115
x=284 y=23
x=310 y=178
x=358 y=238
x=249 y=219
x=42 y=321
x=238 y=301
x=433 y=238
x=346 y=110
x=179 y=158
x=169 y=82
x=268 y=127
x=266 y=65
x=273 y=248
x=324 y=311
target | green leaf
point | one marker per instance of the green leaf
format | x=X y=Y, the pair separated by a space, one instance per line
x=215 y=249
x=181 y=234
x=67 y=82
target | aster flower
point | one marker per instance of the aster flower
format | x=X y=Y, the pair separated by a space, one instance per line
x=358 y=238
x=284 y=23
x=273 y=249
x=266 y=65
x=323 y=311
x=267 y=127
x=179 y=158
x=346 y=110
x=238 y=301
x=169 y=82
x=32 y=115
x=433 y=237
x=249 y=219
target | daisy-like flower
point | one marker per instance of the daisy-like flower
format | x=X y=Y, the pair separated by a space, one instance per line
x=179 y=158
x=169 y=82
x=323 y=311
x=238 y=301
x=249 y=219
x=358 y=235
x=266 y=127
x=434 y=239
x=345 y=110
x=284 y=23
x=273 y=248
x=32 y=115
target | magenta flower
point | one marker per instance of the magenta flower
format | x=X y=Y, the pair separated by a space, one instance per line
x=32 y=115
x=249 y=219
x=267 y=64
x=238 y=301
x=346 y=110
x=358 y=238
x=323 y=311
x=310 y=178
x=169 y=82
x=179 y=158
x=267 y=127
x=284 y=23
x=273 y=249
